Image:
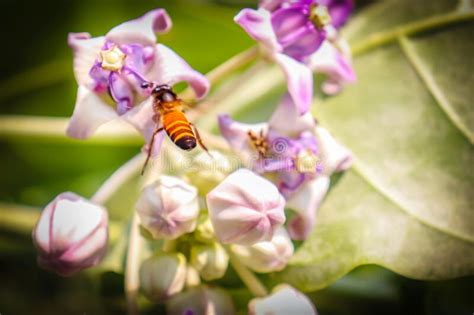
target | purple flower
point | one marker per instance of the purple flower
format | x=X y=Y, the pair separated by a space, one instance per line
x=71 y=234
x=299 y=157
x=292 y=32
x=111 y=69
x=245 y=208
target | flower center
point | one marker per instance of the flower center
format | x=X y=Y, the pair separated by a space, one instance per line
x=113 y=59
x=306 y=162
x=319 y=15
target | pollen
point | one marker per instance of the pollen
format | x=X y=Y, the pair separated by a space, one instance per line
x=319 y=15
x=113 y=59
x=306 y=162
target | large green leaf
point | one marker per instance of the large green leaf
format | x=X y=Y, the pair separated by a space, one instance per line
x=407 y=202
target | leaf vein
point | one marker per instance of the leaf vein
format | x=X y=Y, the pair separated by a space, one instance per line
x=414 y=59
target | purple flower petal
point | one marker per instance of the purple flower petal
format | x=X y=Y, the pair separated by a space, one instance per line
x=86 y=52
x=271 y=5
x=286 y=111
x=257 y=23
x=305 y=201
x=90 y=112
x=169 y=68
x=141 y=30
x=300 y=82
x=339 y=10
x=331 y=61
x=121 y=93
x=295 y=32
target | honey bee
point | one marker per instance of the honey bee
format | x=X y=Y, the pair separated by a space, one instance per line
x=169 y=114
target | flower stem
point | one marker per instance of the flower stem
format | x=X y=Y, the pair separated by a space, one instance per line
x=251 y=281
x=132 y=277
x=118 y=178
x=220 y=72
x=385 y=37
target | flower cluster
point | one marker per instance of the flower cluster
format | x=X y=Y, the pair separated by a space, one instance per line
x=113 y=72
x=301 y=36
x=215 y=215
x=295 y=153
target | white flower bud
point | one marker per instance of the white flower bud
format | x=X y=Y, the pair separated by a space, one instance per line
x=210 y=260
x=168 y=208
x=71 y=234
x=162 y=276
x=207 y=172
x=201 y=301
x=284 y=300
x=267 y=256
x=245 y=208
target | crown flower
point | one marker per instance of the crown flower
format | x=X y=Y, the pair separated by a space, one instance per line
x=298 y=157
x=292 y=33
x=245 y=208
x=168 y=208
x=111 y=70
x=71 y=234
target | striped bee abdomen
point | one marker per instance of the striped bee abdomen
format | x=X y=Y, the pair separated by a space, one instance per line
x=179 y=130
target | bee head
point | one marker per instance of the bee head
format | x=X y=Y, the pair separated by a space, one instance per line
x=163 y=93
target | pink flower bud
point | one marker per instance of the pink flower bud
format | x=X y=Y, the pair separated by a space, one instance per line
x=71 y=234
x=168 y=208
x=202 y=301
x=163 y=276
x=266 y=256
x=283 y=300
x=245 y=208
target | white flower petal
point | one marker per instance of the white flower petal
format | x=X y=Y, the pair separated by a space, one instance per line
x=169 y=68
x=257 y=23
x=287 y=112
x=335 y=64
x=305 y=201
x=299 y=80
x=90 y=112
x=86 y=52
x=141 y=30
x=334 y=156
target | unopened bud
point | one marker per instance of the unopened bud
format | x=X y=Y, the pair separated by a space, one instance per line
x=245 y=208
x=210 y=260
x=168 y=208
x=266 y=256
x=284 y=300
x=201 y=301
x=71 y=234
x=162 y=276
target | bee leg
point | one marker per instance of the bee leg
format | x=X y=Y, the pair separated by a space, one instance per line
x=199 y=140
x=150 y=147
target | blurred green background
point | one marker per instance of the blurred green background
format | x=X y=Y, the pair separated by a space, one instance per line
x=36 y=79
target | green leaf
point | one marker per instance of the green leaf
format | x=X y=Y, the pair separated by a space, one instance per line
x=407 y=203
